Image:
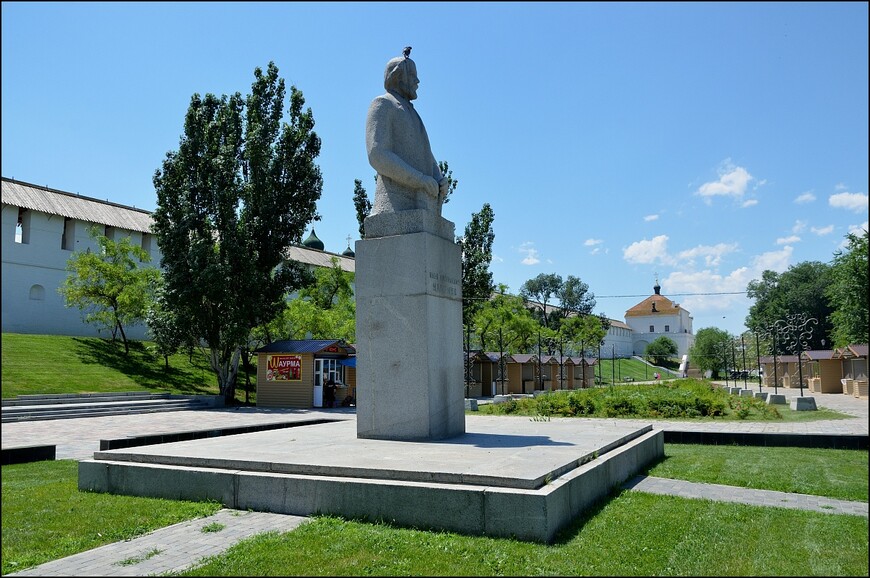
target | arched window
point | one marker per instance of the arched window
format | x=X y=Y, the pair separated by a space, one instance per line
x=37 y=293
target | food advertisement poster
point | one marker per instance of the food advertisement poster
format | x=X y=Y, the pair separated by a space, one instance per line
x=283 y=368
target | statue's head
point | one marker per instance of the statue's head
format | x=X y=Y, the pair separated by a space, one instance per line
x=400 y=76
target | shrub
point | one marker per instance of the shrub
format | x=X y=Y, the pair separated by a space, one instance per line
x=581 y=404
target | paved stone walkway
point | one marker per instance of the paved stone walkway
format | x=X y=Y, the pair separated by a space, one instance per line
x=170 y=549
x=180 y=546
x=722 y=493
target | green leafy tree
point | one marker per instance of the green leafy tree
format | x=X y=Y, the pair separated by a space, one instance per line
x=847 y=292
x=168 y=335
x=799 y=290
x=571 y=296
x=324 y=309
x=661 y=349
x=362 y=204
x=330 y=284
x=505 y=317
x=108 y=285
x=538 y=293
x=476 y=245
x=240 y=189
x=711 y=350
x=574 y=298
x=584 y=331
x=451 y=182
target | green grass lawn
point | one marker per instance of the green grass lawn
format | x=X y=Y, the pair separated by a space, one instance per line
x=840 y=474
x=632 y=534
x=609 y=371
x=45 y=517
x=52 y=364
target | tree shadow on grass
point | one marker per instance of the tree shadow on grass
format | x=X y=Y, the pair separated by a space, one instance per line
x=141 y=366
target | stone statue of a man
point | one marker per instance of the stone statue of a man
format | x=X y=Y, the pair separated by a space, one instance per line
x=398 y=146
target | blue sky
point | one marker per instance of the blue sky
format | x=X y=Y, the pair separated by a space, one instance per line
x=701 y=143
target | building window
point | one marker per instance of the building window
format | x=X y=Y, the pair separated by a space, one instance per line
x=328 y=368
x=37 y=293
x=67 y=241
x=146 y=242
x=22 y=227
x=652 y=328
x=667 y=328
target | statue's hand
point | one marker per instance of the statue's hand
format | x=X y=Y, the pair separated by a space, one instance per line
x=430 y=186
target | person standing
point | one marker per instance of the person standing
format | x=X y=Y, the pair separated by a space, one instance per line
x=329 y=393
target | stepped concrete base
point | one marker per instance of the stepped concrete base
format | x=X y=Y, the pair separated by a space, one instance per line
x=505 y=476
x=776 y=398
x=761 y=395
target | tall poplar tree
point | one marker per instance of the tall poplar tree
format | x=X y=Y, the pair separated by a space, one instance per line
x=240 y=189
x=848 y=293
x=476 y=245
x=362 y=204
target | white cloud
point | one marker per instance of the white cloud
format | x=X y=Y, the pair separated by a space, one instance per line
x=788 y=240
x=857 y=230
x=595 y=251
x=592 y=242
x=531 y=254
x=749 y=203
x=822 y=230
x=654 y=250
x=799 y=226
x=712 y=254
x=850 y=201
x=807 y=197
x=774 y=260
x=708 y=282
x=735 y=282
x=732 y=182
x=651 y=218
x=497 y=259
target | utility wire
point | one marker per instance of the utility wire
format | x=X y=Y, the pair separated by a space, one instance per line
x=674 y=294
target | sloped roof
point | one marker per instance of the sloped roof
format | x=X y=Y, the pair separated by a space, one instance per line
x=87 y=209
x=586 y=360
x=663 y=306
x=819 y=354
x=73 y=206
x=308 y=346
x=319 y=258
x=851 y=351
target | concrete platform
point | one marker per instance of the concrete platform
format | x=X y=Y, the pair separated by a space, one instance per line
x=506 y=476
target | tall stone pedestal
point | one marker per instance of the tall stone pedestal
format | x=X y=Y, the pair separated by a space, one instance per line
x=409 y=329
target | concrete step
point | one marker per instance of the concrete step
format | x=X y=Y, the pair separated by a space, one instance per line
x=64 y=398
x=86 y=405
